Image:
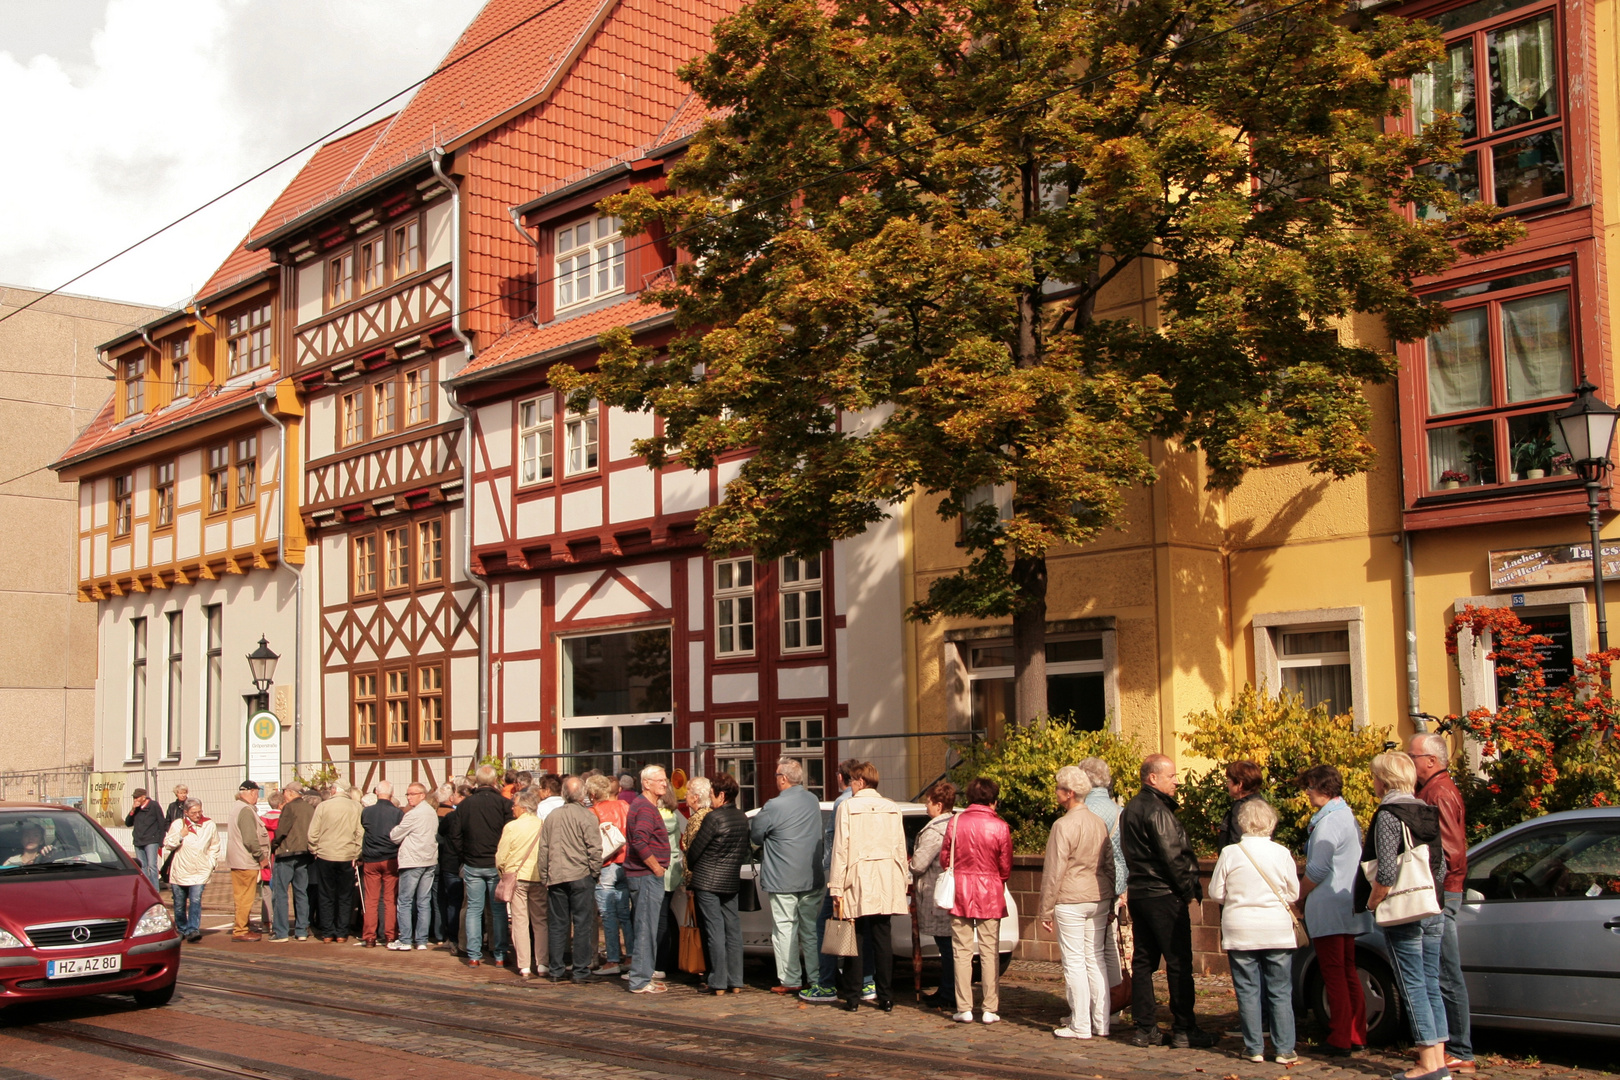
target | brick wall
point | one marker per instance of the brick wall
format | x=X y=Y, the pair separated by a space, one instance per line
x=1036 y=944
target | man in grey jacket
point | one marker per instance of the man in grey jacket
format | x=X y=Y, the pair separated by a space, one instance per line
x=569 y=858
x=788 y=832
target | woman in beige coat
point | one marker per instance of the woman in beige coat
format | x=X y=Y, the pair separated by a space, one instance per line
x=519 y=853
x=868 y=880
x=1077 y=901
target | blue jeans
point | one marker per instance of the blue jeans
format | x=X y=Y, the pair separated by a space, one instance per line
x=479 y=883
x=416 y=896
x=150 y=856
x=187 y=909
x=722 y=937
x=1453 y=989
x=613 y=904
x=648 y=891
x=1414 y=949
x=829 y=964
x=290 y=870
x=1265 y=991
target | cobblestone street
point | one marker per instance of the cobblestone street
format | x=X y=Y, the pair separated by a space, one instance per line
x=311 y=1012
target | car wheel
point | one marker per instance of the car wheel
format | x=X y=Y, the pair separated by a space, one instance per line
x=1385 y=1011
x=153 y=999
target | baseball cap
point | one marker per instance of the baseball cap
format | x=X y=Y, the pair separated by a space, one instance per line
x=248 y=785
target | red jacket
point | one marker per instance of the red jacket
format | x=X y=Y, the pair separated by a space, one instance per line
x=983 y=862
x=1440 y=792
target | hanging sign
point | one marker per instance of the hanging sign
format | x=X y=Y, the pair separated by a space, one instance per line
x=1553 y=564
x=264 y=752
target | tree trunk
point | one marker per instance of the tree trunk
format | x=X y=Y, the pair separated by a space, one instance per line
x=1029 y=639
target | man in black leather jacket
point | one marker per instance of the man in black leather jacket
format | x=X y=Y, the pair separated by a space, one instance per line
x=1163 y=882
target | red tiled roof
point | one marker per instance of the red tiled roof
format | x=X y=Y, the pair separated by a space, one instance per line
x=101 y=434
x=329 y=165
x=523 y=340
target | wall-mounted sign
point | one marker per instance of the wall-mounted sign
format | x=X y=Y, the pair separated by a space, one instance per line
x=1554 y=564
x=264 y=752
x=104 y=799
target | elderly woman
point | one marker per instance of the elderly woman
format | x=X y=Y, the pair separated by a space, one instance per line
x=699 y=792
x=1254 y=881
x=1414 y=947
x=1077 y=897
x=1101 y=803
x=613 y=887
x=716 y=855
x=1243 y=780
x=1332 y=864
x=177 y=809
x=194 y=844
x=669 y=808
x=519 y=853
x=867 y=883
x=932 y=919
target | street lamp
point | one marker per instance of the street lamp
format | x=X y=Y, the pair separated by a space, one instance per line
x=262 y=662
x=1588 y=430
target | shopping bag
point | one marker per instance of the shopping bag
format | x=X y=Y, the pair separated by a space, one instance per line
x=691 y=958
x=838 y=938
x=1412 y=897
x=1119 y=995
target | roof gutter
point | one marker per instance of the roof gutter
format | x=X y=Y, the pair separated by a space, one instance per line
x=348 y=198
x=144 y=437
x=264 y=397
x=539 y=253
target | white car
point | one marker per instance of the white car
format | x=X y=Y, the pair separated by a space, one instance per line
x=756 y=925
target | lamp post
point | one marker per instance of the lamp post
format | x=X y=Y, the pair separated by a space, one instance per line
x=262 y=663
x=1588 y=430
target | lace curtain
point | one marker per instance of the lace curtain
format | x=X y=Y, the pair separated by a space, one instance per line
x=1448 y=86
x=1459 y=364
x=1536 y=348
x=1525 y=59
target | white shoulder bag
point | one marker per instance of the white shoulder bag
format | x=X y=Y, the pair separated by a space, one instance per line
x=945 y=884
x=1412 y=897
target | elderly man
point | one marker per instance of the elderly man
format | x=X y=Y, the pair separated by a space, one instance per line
x=247 y=851
x=1430 y=753
x=569 y=857
x=146 y=825
x=788 y=831
x=290 y=846
x=478 y=822
x=379 y=867
x=417 y=835
x=646 y=858
x=335 y=838
x=1163 y=883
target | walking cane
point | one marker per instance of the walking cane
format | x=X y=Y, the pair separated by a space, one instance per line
x=916 y=943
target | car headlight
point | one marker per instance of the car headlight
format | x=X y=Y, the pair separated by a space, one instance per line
x=157 y=920
x=10 y=941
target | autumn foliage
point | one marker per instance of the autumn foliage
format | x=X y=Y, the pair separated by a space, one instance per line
x=1545 y=748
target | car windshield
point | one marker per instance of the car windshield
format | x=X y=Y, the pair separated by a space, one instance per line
x=59 y=839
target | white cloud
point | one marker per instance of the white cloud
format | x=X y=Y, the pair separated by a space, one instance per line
x=180 y=100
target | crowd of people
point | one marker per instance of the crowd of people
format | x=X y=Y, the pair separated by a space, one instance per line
x=537 y=870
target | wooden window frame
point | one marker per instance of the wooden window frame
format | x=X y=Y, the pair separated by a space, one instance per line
x=540 y=436
x=800 y=588
x=735 y=596
x=419 y=398
x=395 y=252
x=180 y=368
x=250 y=338
x=396 y=541
x=429 y=550
x=123 y=499
x=218 y=478
x=363 y=576
x=384 y=407
x=397 y=683
x=371 y=267
x=589 y=424
x=163 y=488
x=245 y=464
x=430 y=701
x=363 y=719
x=132 y=385
x=598 y=272
x=340 y=287
x=352 y=417
x=405 y=237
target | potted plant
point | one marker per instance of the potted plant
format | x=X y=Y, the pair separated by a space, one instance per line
x=1563 y=465
x=1533 y=456
x=1451 y=478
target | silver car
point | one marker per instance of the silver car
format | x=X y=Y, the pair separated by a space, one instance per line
x=1539 y=933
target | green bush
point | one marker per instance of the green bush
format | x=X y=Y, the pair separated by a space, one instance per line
x=1284 y=738
x=1025 y=762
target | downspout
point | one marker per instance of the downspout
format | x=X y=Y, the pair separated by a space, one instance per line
x=282 y=478
x=539 y=254
x=1414 y=710
x=436 y=158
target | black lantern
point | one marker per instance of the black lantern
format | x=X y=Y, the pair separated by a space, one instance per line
x=262 y=662
x=1588 y=429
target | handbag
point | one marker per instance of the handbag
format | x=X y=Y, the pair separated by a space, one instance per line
x=838 y=938
x=506 y=887
x=1119 y=995
x=612 y=842
x=691 y=958
x=1413 y=896
x=1301 y=938
x=945 y=884
x=748 y=894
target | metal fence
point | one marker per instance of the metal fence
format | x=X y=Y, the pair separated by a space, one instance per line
x=64 y=785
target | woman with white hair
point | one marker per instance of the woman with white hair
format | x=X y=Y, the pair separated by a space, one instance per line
x=193 y=846
x=1255 y=882
x=1077 y=896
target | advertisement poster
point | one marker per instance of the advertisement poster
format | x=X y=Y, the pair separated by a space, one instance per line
x=105 y=798
x=1555 y=564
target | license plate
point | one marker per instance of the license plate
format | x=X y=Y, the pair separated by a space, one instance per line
x=83 y=965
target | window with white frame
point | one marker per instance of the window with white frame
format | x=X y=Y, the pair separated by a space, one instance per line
x=177 y=645
x=213 y=700
x=579 y=437
x=802 y=741
x=590 y=260
x=734 y=754
x=800 y=592
x=535 y=427
x=734 y=607
x=1314 y=662
x=137 y=688
x=1076 y=691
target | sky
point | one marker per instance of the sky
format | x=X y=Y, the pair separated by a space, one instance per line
x=123 y=115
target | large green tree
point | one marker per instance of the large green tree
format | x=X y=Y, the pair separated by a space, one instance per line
x=907 y=212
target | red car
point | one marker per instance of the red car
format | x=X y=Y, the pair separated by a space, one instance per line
x=77 y=916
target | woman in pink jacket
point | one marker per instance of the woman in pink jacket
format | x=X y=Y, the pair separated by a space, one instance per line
x=978 y=846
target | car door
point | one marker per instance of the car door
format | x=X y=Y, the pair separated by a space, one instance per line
x=1539 y=930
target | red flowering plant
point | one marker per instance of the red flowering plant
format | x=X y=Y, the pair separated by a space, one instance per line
x=1545 y=748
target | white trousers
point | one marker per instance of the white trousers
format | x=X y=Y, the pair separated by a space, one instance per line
x=1082 y=933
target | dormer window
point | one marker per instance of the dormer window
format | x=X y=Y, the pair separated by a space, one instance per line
x=590 y=260
x=132 y=372
x=247 y=339
x=179 y=368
